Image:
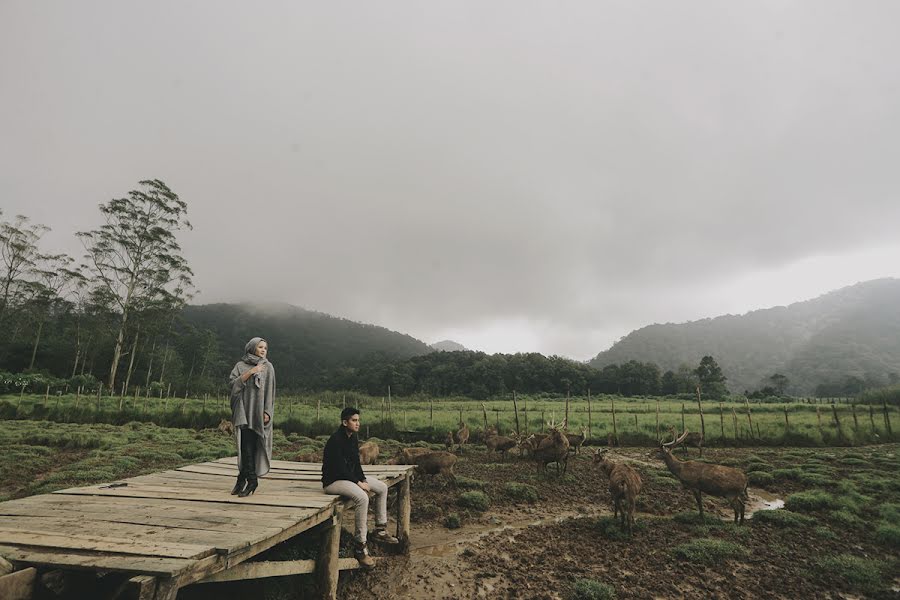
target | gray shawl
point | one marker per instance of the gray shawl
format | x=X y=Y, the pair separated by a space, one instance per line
x=250 y=399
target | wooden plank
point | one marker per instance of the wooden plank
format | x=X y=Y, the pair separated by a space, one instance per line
x=18 y=585
x=313 y=467
x=81 y=560
x=99 y=543
x=150 y=492
x=274 y=568
x=142 y=587
x=222 y=542
x=158 y=506
x=97 y=515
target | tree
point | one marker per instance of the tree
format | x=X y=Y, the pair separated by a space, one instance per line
x=779 y=382
x=54 y=277
x=711 y=378
x=135 y=256
x=19 y=252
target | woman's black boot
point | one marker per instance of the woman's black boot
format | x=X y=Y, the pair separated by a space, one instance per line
x=252 y=484
x=239 y=486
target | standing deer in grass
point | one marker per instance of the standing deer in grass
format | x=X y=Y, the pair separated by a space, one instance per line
x=693 y=438
x=368 y=453
x=717 y=480
x=576 y=440
x=462 y=435
x=553 y=448
x=624 y=487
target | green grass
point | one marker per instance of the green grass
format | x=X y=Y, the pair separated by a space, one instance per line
x=890 y=512
x=707 y=551
x=467 y=483
x=859 y=573
x=888 y=534
x=590 y=589
x=809 y=501
x=693 y=519
x=760 y=478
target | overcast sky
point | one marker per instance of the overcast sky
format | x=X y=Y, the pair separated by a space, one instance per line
x=515 y=176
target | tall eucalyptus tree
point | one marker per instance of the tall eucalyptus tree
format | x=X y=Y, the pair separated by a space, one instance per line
x=135 y=256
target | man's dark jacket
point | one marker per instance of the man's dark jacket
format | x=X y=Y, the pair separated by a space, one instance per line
x=340 y=460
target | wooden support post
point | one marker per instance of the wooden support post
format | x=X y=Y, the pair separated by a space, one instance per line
x=484 y=414
x=526 y=415
x=166 y=588
x=855 y=420
x=787 y=424
x=683 y=426
x=431 y=413
x=403 y=512
x=327 y=562
x=872 y=417
x=734 y=419
x=18 y=585
x=566 y=421
x=142 y=587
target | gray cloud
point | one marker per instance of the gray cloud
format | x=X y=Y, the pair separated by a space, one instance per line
x=526 y=176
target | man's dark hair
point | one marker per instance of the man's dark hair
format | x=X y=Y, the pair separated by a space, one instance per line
x=348 y=412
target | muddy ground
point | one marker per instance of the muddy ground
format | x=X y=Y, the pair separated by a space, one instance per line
x=543 y=548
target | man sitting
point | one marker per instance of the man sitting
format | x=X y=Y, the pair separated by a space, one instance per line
x=342 y=475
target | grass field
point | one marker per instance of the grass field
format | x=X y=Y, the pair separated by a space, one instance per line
x=635 y=421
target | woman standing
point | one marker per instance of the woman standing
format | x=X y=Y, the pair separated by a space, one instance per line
x=252 y=409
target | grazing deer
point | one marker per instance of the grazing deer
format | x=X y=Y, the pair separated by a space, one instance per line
x=552 y=449
x=694 y=439
x=368 y=453
x=498 y=443
x=624 y=487
x=226 y=427
x=406 y=456
x=436 y=463
x=575 y=441
x=717 y=480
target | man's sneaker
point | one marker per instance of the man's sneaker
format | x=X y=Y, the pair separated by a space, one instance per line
x=362 y=555
x=381 y=535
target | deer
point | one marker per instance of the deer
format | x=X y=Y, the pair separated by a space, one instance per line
x=716 y=480
x=449 y=441
x=553 y=448
x=435 y=463
x=498 y=443
x=406 y=456
x=368 y=453
x=575 y=441
x=462 y=435
x=531 y=442
x=624 y=487
x=694 y=438
x=226 y=427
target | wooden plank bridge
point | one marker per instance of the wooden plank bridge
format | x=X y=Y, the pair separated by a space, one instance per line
x=166 y=530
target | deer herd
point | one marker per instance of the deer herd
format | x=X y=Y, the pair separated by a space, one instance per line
x=624 y=482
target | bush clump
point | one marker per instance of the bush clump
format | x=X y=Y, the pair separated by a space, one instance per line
x=475 y=500
x=860 y=573
x=888 y=534
x=890 y=512
x=590 y=589
x=467 y=483
x=610 y=529
x=809 y=501
x=760 y=478
x=521 y=492
x=781 y=518
x=452 y=521
x=706 y=551
x=784 y=474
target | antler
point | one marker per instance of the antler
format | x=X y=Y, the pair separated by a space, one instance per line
x=675 y=441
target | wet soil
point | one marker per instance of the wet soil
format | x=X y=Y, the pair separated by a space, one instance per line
x=517 y=549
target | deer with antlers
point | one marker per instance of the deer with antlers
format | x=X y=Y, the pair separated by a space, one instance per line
x=553 y=448
x=693 y=438
x=717 y=480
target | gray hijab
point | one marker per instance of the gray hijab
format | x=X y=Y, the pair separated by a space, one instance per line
x=251 y=358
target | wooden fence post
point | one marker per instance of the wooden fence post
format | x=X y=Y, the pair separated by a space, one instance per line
x=566 y=421
x=749 y=418
x=526 y=415
x=855 y=421
x=589 y=412
x=484 y=414
x=431 y=413
x=722 y=419
x=872 y=418
x=615 y=430
x=837 y=422
x=700 y=408
x=318 y=408
x=887 y=419
x=683 y=427
x=734 y=419
x=516 y=411
x=819 y=419
x=657 y=421
x=787 y=424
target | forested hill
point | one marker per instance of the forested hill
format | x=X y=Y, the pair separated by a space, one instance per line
x=849 y=333
x=309 y=349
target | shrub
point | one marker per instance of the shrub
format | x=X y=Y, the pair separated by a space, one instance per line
x=467 y=483
x=824 y=532
x=781 y=518
x=452 y=521
x=610 y=529
x=759 y=478
x=475 y=500
x=783 y=474
x=589 y=589
x=809 y=501
x=759 y=466
x=890 y=512
x=814 y=479
x=521 y=492
x=853 y=461
x=888 y=534
x=708 y=551
x=845 y=517
x=860 y=573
